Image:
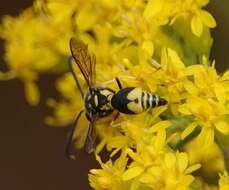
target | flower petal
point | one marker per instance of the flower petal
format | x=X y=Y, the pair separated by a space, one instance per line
x=184 y=109
x=86 y=19
x=160 y=140
x=32 y=93
x=182 y=159
x=159 y=126
x=185 y=181
x=207 y=19
x=192 y=168
x=188 y=130
x=153 y=7
x=222 y=127
x=170 y=160
x=132 y=173
x=190 y=87
x=196 y=26
x=220 y=93
x=148 y=47
x=134 y=185
x=146 y=178
x=206 y=137
x=225 y=76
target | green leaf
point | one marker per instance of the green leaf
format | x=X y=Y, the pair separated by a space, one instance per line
x=179 y=123
x=222 y=140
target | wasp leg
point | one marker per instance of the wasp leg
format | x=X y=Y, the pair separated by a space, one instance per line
x=118 y=82
x=75 y=76
x=104 y=84
x=68 y=142
x=115 y=117
x=119 y=124
x=91 y=137
x=155 y=64
x=73 y=23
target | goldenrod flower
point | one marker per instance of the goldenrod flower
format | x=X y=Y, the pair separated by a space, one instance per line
x=177 y=172
x=224 y=181
x=65 y=110
x=209 y=115
x=151 y=167
x=32 y=48
x=161 y=46
x=110 y=176
x=211 y=157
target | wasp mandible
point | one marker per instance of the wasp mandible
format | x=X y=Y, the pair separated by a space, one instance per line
x=101 y=102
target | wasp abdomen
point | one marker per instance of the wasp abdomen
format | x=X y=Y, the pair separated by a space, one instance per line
x=133 y=100
x=120 y=101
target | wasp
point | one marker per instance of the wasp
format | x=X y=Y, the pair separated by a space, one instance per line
x=100 y=102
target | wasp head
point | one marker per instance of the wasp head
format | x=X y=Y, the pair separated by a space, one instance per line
x=98 y=102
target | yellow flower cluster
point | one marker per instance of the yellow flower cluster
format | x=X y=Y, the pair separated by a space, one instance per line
x=161 y=46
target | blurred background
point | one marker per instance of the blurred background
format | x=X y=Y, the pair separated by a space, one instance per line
x=31 y=153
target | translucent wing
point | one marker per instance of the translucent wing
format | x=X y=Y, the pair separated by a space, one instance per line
x=79 y=136
x=85 y=61
x=91 y=137
x=69 y=150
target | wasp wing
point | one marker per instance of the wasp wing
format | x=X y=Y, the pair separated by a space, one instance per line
x=85 y=61
x=91 y=136
x=68 y=147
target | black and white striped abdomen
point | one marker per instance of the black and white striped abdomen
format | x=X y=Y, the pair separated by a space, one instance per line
x=149 y=100
x=133 y=100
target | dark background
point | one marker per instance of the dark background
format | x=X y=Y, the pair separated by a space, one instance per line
x=31 y=153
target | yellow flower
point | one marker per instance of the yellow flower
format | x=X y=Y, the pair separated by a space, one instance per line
x=206 y=100
x=211 y=157
x=65 y=111
x=145 y=45
x=32 y=48
x=170 y=171
x=209 y=115
x=177 y=172
x=207 y=83
x=224 y=181
x=169 y=79
x=201 y=184
x=110 y=176
x=200 y=19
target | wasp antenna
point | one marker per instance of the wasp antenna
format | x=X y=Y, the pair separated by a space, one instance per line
x=75 y=76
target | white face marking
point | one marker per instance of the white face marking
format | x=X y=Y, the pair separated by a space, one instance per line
x=96 y=100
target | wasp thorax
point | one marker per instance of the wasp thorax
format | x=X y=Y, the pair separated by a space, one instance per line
x=97 y=102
